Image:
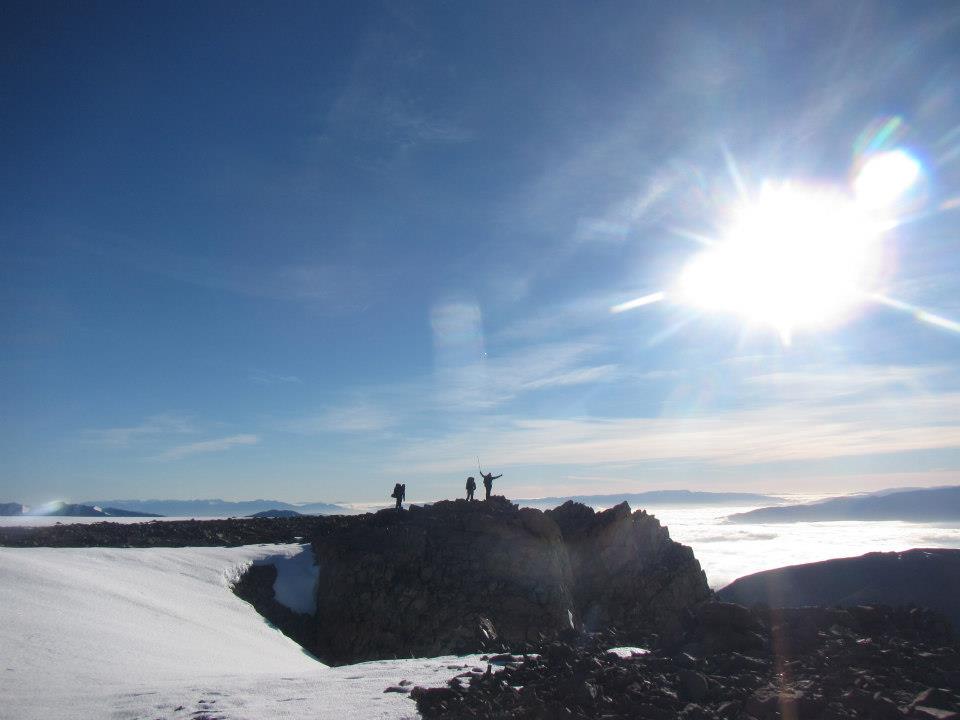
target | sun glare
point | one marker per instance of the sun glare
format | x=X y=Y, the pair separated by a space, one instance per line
x=794 y=257
x=797 y=256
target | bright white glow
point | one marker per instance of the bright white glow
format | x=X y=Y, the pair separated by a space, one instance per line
x=885 y=178
x=794 y=257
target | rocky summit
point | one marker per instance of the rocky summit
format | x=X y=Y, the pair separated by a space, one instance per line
x=460 y=576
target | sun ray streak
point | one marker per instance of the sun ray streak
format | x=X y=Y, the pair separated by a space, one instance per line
x=672 y=329
x=638 y=302
x=918 y=313
x=734 y=171
x=704 y=240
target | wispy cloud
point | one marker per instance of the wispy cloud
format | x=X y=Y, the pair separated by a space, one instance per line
x=207 y=446
x=358 y=417
x=151 y=427
x=888 y=414
x=497 y=379
x=265 y=378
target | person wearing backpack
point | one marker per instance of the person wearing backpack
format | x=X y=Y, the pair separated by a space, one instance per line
x=400 y=493
x=471 y=486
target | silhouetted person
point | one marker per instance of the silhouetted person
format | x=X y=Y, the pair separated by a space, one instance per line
x=471 y=486
x=488 y=479
x=400 y=493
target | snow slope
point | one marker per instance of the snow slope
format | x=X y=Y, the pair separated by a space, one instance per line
x=157 y=633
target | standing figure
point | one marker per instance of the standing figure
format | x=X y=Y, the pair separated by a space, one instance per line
x=488 y=479
x=400 y=493
x=471 y=486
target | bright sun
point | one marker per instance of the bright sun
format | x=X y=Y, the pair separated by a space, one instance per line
x=794 y=257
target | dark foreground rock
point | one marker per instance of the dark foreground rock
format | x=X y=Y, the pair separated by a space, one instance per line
x=865 y=662
x=925 y=577
x=458 y=577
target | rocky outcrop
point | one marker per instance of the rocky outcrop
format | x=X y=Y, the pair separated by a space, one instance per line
x=627 y=571
x=924 y=577
x=459 y=577
x=451 y=577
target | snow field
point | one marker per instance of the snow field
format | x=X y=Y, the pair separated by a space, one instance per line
x=157 y=633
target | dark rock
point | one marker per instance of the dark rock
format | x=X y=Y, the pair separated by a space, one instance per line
x=921 y=712
x=693 y=686
x=459 y=577
x=627 y=571
x=830 y=677
x=935 y=697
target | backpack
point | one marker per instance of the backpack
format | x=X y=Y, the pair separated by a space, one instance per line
x=396 y=491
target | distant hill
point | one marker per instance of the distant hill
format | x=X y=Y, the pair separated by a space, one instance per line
x=62 y=509
x=657 y=497
x=924 y=505
x=8 y=509
x=276 y=514
x=218 y=508
x=925 y=577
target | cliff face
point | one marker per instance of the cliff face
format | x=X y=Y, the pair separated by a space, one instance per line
x=452 y=577
x=628 y=573
x=458 y=576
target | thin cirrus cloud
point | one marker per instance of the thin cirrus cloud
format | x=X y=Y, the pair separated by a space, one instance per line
x=152 y=427
x=885 y=411
x=266 y=378
x=350 y=418
x=207 y=446
x=495 y=380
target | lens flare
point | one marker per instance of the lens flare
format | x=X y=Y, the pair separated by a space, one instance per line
x=885 y=179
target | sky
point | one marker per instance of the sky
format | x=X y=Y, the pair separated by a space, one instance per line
x=305 y=251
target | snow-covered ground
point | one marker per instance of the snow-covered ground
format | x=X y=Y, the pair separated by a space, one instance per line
x=157 y=633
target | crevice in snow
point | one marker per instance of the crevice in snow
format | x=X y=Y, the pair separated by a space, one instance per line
x=282 y=589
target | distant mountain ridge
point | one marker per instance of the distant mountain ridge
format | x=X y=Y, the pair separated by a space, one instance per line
x=215 y=507
x=276 y=514
x=921 y=505
x=658 y=497
x=62 y=509
x=929 y=577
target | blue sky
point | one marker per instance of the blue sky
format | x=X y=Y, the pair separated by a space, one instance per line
x=308 y=250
